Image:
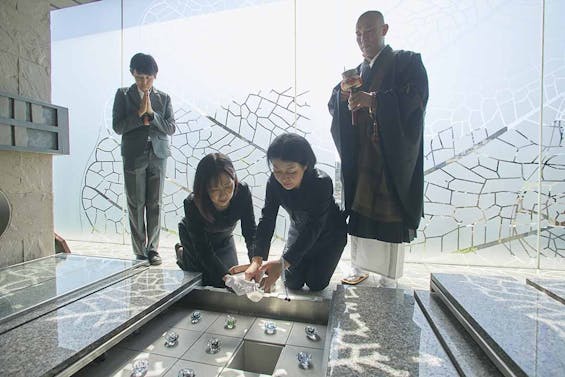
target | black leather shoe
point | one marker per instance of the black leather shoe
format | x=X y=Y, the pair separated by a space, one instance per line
x=154 y=258
x=178 y=251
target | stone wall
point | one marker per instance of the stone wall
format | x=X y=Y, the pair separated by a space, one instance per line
x=26 y=178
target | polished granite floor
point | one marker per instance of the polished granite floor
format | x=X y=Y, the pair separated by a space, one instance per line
x=360 y=300
x=535 y=345
x=363 y=346
x=416 y=275
x=70 y=332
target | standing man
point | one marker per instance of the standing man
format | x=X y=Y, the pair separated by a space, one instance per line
x=381 y=151
x=144 y=117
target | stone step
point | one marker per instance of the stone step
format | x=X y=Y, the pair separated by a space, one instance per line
x=466 y=355
x=382 y=332
x=521 y=329
x=552 y=287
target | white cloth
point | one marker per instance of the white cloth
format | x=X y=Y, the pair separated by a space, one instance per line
x=241 y=286
x=383 y=258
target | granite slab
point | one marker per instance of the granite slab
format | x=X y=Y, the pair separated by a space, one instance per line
x=523 y=327
x=27 y=285
x=466 y=355
x=56 y=341
x=381 y=332
x=552 y=287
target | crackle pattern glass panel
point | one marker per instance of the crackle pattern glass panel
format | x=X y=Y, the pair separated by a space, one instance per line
x=238 y=76
x=552 y=247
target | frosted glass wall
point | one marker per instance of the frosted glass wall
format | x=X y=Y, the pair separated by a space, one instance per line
x=241 y=72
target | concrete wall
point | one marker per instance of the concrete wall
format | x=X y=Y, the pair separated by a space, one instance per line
x=26 y=178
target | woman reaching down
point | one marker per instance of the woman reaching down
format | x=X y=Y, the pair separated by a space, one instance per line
x=317 y=234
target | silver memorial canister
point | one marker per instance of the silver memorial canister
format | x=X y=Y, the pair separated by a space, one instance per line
x=312 y=333
x=214 y=345
x=171 y=339
x=230 y=322
x=186 y=372
x=270 y=328
x=195 y=317
x=304 y=360
x=140 y=368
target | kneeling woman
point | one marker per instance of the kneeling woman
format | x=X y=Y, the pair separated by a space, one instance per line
x=317 y=233
x=211 y=213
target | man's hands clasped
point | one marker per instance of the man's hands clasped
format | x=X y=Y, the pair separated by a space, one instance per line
x=145 y=110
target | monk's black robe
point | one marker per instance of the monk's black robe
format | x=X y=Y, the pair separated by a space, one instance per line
x=400 y=82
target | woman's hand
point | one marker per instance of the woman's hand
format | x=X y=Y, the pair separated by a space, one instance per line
x=274 y=270
x=237 y=269
x=252 y=272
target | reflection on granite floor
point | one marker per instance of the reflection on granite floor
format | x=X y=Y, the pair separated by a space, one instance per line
x=416 y=275
x=28 y=285
x=552 y=287
x=404 y=345
x=72 y=331
x=383 y=340
x=524 y=327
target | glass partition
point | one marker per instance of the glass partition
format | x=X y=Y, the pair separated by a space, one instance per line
x=242 y=72
x=86 y=64
x=552 y=199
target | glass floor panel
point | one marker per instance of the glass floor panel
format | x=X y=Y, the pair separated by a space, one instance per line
x=30 y=284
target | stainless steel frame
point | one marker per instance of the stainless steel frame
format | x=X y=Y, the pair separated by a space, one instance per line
x=311 y=310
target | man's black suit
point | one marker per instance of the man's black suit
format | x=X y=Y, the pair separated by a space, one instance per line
x=144 y=151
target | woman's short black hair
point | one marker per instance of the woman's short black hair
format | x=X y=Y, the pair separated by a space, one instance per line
x=291 y=147
x=144 y=64
x=208 y=172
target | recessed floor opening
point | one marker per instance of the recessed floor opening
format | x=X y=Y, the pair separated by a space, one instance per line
x=256 y=357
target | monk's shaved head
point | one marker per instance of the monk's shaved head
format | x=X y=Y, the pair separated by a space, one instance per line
x=371 y=31
x=373 y=15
